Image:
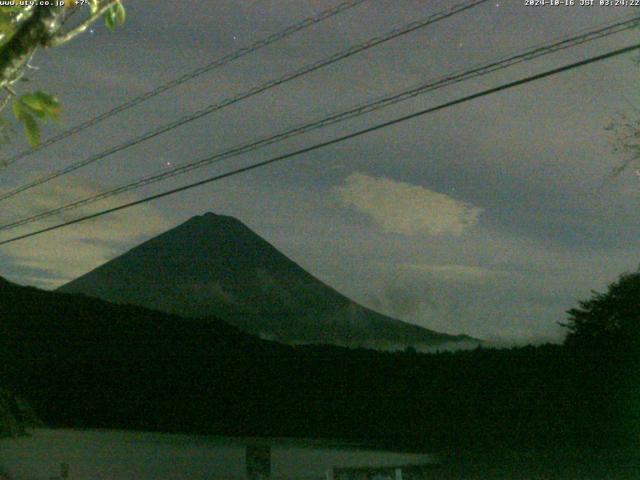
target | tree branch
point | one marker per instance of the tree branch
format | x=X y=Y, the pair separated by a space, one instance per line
x=5 y=100
x=61 y=39
x=34 y=32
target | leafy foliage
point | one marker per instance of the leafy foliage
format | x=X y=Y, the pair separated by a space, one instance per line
x=31 y=107
x=115 y=16
x=608 y=320
x=9 y=21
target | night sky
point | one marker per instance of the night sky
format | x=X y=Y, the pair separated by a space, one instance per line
x=491 y=218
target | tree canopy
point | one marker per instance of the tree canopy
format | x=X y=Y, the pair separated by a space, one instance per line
x=608 y=320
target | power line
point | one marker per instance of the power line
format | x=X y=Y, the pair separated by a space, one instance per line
x=504 y=62
x=334 y=141
x=411 y=27
x=257 y=45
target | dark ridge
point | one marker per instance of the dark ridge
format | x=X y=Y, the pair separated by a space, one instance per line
x=86 y=363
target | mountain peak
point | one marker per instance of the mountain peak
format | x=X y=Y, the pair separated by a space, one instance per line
x=214 y=265
x=213 y=215
x=212 y=219
x=210 y=216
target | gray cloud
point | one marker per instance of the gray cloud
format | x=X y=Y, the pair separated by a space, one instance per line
x=400 y=207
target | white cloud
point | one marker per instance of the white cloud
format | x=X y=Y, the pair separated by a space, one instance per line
x=400 y=207
x=62 y=255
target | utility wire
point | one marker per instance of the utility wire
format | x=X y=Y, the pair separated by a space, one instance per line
x=334 y=141
x=503 y=62
x=257 y=45
x=411 y=27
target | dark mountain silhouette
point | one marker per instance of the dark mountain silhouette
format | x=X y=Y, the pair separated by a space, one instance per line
x=81 y=362
x=214 y=265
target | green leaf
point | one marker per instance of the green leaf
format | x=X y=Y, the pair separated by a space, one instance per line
x=31 y=105
x=18 y=109
x=50 y=103
x=33 y=102
x=42 y=104
x=26 y=109
x=121 y=13
x=115 y=16
x=94 y=5
x=32 y=130
x=110 y=19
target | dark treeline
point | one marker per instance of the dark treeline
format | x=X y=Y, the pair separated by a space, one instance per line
x=82 y=362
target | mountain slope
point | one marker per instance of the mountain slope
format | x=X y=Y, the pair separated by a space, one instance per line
x=215 y=265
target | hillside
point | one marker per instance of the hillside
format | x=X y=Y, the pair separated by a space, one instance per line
x=86 y=363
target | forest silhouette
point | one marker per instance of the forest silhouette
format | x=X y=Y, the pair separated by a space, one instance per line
x=86 y=363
